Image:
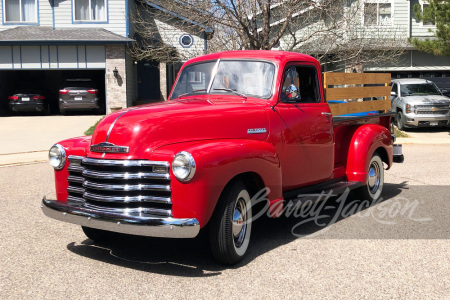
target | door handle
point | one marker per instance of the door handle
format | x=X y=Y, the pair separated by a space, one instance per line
x=326 y=114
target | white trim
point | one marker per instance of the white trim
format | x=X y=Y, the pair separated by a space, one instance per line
x=409 y=20
x=422 y=25
x=36 y=20
x=378 y=2
x=105 y=15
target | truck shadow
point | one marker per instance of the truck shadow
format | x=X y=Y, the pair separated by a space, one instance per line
x=193 y=258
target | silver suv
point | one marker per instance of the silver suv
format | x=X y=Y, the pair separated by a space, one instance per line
x=419 y=103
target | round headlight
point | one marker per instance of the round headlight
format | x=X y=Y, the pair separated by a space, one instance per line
x=57 y=156
x=183 y=166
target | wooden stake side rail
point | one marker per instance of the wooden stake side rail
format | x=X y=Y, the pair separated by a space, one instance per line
x=343 y=93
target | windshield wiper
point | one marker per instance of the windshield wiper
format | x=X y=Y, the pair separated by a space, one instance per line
x=233 y=91
x=191 y=93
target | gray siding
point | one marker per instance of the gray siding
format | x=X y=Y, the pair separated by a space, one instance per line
x=116 y=17
x=401 y=15
x=171 y=35
x=63 y=16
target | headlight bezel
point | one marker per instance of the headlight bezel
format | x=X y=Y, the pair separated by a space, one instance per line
x=191 y=165
x=62 y=157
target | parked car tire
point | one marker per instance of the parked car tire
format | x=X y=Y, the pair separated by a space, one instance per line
x=62 y=111
x=231 y=226
x=374 y=187
x=400 y=121
x=99 y=235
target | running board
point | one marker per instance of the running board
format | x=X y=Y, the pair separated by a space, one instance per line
x=336 y=186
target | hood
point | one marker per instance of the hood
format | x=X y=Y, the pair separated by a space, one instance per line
x=145 y=128
x=432 y=99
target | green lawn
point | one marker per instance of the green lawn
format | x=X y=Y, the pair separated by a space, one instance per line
x=91 y=129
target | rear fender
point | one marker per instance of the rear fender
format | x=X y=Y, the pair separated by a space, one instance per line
x=366 y=140
x=217 y=163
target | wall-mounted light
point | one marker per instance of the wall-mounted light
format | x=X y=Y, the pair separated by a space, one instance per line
x=116 y=72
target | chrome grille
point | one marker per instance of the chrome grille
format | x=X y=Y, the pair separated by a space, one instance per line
x=429 y=106
x=131 y=187
x=430 y=112
x=432 y=109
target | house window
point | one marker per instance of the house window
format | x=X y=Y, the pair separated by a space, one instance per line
x=186 y=40
x=89 y=10
x=20 y=11
x=377 y=13
x=429 y=23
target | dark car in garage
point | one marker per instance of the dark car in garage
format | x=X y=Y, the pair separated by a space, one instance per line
x=28 y=100
x=81 y=95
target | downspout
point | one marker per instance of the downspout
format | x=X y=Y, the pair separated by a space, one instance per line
x=53 y=13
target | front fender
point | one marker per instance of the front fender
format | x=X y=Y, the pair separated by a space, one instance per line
x=74 y=146
x=218 y=162
x=366 y=140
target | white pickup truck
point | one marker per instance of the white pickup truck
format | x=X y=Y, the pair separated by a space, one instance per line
x=419 y=103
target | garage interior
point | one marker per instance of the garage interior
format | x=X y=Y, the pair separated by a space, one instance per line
x=49 y=82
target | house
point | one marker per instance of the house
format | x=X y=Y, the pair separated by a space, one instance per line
x=384 y=21
x=47 y=41
x=413 y=63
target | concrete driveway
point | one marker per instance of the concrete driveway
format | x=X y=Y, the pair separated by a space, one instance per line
x=27 y=139
x=399 y=249
x=430 y=135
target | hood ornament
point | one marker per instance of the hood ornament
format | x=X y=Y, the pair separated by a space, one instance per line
x=109 y=148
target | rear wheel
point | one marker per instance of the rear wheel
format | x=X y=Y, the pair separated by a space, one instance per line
x=374 y=187
x=98 y=235
x=231 y=226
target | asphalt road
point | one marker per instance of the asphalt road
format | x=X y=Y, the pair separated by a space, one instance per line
x=398 y=248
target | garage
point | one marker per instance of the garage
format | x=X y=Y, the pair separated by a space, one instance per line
x=49 y=82
x=45 y=68
x=44 y=58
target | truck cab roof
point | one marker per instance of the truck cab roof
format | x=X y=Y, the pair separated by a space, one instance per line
x=411 y=81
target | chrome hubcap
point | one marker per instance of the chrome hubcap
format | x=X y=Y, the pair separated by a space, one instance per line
x=374 y=177
x=239 y=222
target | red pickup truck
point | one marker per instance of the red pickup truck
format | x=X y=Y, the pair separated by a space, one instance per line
x=235 y=123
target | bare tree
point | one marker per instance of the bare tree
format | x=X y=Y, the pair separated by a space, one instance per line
x=339 y=33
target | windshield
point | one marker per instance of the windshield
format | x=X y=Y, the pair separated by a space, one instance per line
x=243 y=78
x=419 y=89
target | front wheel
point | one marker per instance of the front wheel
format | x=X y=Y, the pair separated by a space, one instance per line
x=400 y=121
x=231 y=226
x=374 y=187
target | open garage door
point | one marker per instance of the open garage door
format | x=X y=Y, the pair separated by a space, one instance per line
x=49 y=82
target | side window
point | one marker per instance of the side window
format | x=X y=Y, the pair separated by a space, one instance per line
x=304 y=78
x=394 y=88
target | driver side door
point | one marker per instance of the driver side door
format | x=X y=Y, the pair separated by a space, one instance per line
x=308 y=146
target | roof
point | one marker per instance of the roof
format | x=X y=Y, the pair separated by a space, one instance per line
x=410 y=80
x=271 y=55
x=40 y=35
x=181 y=5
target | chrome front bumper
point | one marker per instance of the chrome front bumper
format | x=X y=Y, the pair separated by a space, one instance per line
x=75 y=213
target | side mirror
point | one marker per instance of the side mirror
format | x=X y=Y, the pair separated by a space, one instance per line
x=292 y=94
x=394 y=94
x=444 y=91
